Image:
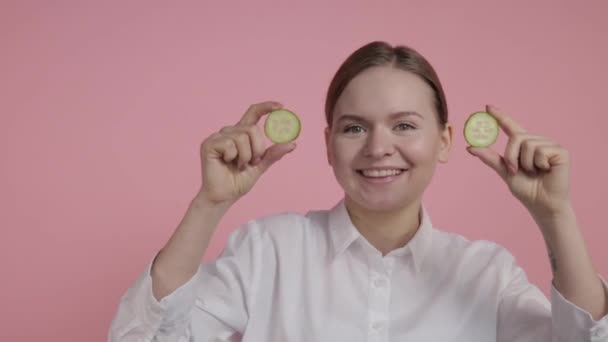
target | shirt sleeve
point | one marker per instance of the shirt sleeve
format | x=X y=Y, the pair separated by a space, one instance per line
x=575 y=324
x=212 y=306
x=526 y=315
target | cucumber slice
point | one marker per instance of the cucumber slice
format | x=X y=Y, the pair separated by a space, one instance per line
x=282 y=126
x=481 y=129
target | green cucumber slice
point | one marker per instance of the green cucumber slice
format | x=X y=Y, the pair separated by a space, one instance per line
x=481 y=129
x=282 y=126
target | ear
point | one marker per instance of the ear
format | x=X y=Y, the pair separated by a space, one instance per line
x=445 y=144
x=327 y=147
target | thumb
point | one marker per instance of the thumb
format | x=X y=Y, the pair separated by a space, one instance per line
x=273 y=154
x=490 y=158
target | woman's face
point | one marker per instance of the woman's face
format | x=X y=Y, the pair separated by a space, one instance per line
x=385 y=139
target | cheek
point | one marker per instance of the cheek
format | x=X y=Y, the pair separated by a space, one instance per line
x=420 y=150
x=344 y=152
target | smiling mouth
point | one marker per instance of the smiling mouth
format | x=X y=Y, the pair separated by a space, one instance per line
x=374 y=173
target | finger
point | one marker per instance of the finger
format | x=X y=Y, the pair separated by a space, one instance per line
x=256 y=111
x=275 y=153
x=221 y=147
x=243 y=147
x=513 y=149
x=227 y=130
x=529 y=153
x=511 y=154
x=490 y=158
x=256 y=140
x=258 y=145
x=508 y=124
x=541 y=160
x=550 y=155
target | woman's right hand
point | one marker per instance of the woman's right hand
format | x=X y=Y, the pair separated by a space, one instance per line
x=234 y=158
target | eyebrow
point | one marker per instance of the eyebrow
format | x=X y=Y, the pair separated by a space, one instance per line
x=393 y=116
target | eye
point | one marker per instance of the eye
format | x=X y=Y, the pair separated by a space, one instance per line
x=354 y=129
x=404 y=126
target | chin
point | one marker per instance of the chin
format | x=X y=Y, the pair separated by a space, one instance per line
x=384 y=196
x=379 y=204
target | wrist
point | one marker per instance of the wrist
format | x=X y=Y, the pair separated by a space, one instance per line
x=554 y=214
x=201 y=202
x=557 y=221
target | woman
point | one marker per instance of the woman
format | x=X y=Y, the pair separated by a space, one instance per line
x=372 y=268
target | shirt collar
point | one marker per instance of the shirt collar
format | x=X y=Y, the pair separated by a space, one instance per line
x=343 y=233
x=341 y=229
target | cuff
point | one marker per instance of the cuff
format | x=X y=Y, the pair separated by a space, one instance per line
x=171 y=309
x=572 y=323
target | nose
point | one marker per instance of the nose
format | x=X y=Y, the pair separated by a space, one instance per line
x=379 y=144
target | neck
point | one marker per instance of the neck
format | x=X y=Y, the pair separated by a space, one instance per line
x=385 y=230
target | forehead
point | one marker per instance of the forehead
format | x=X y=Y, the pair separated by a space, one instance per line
x=380 y=91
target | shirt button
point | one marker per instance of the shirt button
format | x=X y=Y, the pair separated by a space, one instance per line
x=378 y=326
x=598 y=332
x=380 y=282
x=389 y=263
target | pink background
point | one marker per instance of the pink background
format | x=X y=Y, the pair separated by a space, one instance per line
x=103 y=107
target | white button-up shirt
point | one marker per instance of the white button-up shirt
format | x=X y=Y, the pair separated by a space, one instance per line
x=313 y=277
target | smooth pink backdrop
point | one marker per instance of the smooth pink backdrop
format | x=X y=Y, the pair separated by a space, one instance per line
x=104 y=104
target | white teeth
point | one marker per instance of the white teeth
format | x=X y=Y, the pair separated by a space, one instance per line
x=381 y=173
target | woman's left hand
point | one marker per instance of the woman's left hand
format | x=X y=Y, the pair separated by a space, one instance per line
x=535 y=168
